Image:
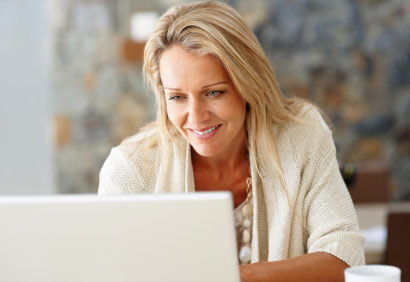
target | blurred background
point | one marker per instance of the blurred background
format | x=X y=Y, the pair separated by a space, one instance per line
x=71 y=88
x=71 y=84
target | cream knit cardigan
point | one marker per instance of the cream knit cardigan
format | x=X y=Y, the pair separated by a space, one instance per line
x=320 y=217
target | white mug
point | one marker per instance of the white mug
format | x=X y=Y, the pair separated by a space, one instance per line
x=372 y=273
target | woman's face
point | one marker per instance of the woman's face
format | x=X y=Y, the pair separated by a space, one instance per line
x=202 y=102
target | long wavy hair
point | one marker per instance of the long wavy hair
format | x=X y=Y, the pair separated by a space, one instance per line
x=216 y=29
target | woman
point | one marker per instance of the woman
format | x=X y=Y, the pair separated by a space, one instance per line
x=223 y=124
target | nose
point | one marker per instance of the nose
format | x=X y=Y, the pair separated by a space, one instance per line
x=198 y=113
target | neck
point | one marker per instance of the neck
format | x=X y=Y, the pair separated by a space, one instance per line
x=224 y=164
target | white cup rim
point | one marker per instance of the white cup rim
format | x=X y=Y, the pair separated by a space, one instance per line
x=373 y=270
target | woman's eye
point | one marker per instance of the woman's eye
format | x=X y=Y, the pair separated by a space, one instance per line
x=215 y=93
x=176 y=98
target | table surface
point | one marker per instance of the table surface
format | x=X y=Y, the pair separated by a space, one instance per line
x=373 y=221
x=373 y=224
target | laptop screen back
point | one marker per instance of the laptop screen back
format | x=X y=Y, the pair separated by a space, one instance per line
x=168 y=237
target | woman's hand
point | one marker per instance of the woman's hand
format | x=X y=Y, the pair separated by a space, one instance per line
x=252 y=272
x=315 y=267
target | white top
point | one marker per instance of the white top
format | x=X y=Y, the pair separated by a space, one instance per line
x=319 y=218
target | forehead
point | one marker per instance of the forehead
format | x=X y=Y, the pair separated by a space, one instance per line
x=179 y=67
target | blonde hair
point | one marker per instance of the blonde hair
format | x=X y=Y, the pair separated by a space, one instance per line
x=214 y=28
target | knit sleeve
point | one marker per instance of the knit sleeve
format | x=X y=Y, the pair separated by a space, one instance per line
x=117 y=176
x=329 y=214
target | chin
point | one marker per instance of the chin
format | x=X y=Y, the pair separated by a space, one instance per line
x=206 y=151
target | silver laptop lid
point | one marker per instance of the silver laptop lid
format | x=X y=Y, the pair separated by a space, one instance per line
x=167 y=237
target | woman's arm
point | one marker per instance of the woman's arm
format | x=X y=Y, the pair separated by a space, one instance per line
x=315 y=267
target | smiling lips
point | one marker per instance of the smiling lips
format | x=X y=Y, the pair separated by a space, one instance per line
x=206 y=133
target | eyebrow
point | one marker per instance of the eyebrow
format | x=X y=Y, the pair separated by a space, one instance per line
x=206 y=86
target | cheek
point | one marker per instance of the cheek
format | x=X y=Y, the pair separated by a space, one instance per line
x=239 y=117
x=174 y=115
x=237 y=112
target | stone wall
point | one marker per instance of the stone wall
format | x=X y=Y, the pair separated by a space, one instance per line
x=98 y=97
x=351 y=58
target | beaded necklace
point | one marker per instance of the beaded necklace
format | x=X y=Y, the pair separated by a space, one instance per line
x=247 y=213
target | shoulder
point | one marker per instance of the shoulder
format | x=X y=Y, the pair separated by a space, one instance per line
x=309 y=118
x=309 y=127
x=306 y=136
x=130 y=166
x=142 y=144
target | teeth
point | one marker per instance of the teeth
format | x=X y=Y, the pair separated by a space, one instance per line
x=206 y=131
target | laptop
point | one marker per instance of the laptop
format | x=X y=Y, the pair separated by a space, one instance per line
x=149 y=238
